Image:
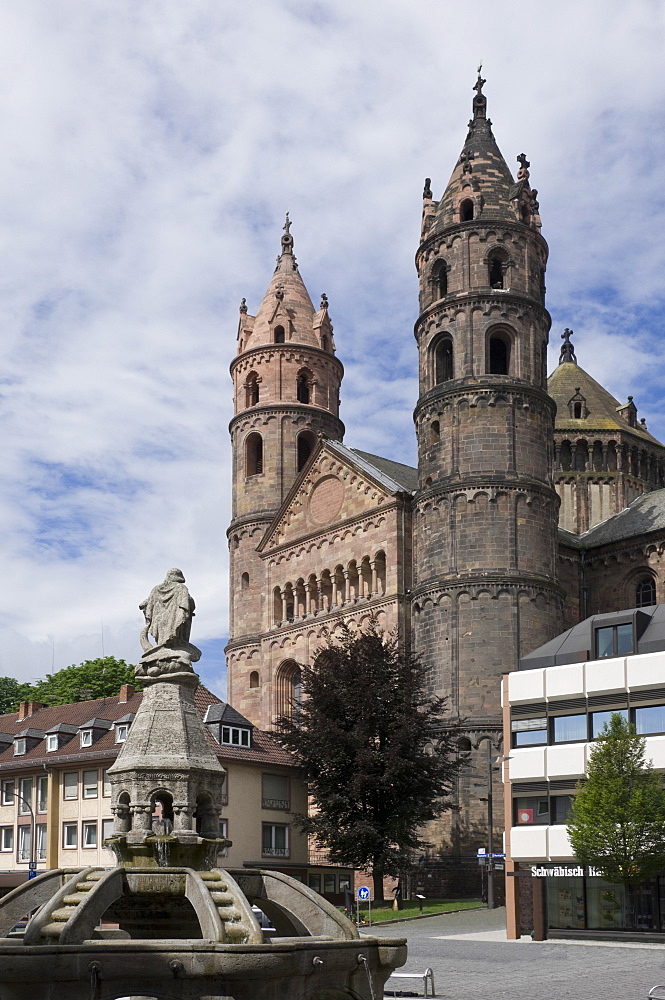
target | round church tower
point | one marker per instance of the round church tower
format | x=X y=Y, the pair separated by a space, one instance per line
x=286 y=382
x=485 y=515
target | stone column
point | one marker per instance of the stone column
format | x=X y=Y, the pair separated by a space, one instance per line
x=283 y=596
x=347 y=586
x=375 y=585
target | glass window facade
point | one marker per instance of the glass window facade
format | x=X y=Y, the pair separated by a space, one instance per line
x=650 y=720
x=569 y=728
x=600 y=719
x=531 y=809
x=591 y=903
x=614 y=640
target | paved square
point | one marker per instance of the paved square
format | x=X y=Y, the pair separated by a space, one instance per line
x=471 y=959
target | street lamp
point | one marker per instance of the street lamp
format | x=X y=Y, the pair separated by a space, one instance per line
x=490 y=818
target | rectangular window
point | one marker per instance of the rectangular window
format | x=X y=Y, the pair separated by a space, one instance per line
x=566 y=728
x=8 y=792
x=52 y=743
x=19 y=748
x=560 y=806
x=90 y=833
x=598 y=720
x=41 y=841
x=25 y=800
x=344 y=883
x=86 y=738
x=42 y=793
x=234 y=736
x=225 y=791
x=24 y=842
x=106 y=784
x=650 y=720
x=275 y=793
x=275 y=840
x=69 y=835
x=614 y=640
x=533 y=737
x=90 y=784
x=529 y=732
x=531 y=809
x=329 y=883
x=107 y=829
x=224 y=832
x=121 y=732
x=70 y=785
x=314 y=881
x=7 y=838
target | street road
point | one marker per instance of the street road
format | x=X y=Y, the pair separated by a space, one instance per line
x=471 y=960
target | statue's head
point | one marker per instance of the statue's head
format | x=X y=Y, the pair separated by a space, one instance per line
x=174 y=576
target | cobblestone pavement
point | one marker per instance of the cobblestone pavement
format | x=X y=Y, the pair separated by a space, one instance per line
x=471 y=959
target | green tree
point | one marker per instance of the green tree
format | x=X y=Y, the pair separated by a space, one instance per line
x=617 y=822
x=100 y=678
x=373 y=751
x=11 y=693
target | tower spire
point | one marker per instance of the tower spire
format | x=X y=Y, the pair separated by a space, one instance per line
x=479 y=103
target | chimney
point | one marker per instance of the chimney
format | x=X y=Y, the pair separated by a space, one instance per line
x=28 y=708
x=126 y=692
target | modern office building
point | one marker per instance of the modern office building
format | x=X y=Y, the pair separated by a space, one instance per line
x=555 y=706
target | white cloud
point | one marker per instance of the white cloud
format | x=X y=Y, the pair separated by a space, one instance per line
x=150 y=152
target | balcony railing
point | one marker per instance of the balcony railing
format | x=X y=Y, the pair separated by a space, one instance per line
x=276 y=804
x=275 y=852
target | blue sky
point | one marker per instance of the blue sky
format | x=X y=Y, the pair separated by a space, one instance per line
x=149 y=154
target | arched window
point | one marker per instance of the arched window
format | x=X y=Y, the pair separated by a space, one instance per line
x=288 y=688
x=302 y=388
x=443 y=361
x=566 y=456
x=440 y=279
x=305 y=446
x=496 y=272
x=581 y=456
x=276 y=605
x=254 y=455
x=244 y=581
x=252 y=389
x=434 y=432
x=278 y=334
x=254 y=679
x=645 y=592
x=466 y=210
x=577 y=411
x=499 y=354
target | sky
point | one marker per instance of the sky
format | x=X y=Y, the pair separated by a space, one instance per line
x=150 y=151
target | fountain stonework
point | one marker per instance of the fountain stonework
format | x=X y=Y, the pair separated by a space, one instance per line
x=185 y=929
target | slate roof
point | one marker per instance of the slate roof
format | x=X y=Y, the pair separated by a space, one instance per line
x=601 y=405
x=575 y=645
x=70 y=718
x=645 y=514
x=222 y=712
x=403 y=475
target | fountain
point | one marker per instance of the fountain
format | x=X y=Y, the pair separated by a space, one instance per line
x=184 y=928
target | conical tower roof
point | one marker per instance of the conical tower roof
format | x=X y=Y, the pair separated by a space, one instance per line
x=602 y=411
x=481 y=174
x=286 y=303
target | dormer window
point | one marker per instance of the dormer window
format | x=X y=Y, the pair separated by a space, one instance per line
x=20 y=747
x=121 y=732
x=577 y=406
x=51 y=742
x=86 y=737
x=235 y=736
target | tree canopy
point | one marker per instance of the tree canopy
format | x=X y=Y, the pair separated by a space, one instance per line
x=617 y=822
x=372 y=747
x=100 y=678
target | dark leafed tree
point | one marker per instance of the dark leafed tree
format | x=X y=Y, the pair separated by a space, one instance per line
x=617 y=821
x=12 y=692
x=373 y=751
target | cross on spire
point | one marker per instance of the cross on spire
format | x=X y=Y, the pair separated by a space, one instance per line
x=567 y=350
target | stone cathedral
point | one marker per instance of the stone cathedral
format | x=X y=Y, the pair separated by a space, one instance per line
x=535 y=503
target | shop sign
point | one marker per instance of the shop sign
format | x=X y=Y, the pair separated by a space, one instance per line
x=564 y=871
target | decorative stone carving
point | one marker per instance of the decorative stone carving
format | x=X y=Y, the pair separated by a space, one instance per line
x=168 y=611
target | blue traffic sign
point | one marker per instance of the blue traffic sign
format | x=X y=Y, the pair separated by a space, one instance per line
x=32 y=874
x=363 y=892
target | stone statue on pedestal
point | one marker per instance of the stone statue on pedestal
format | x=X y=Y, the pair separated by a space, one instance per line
x=168 y=611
